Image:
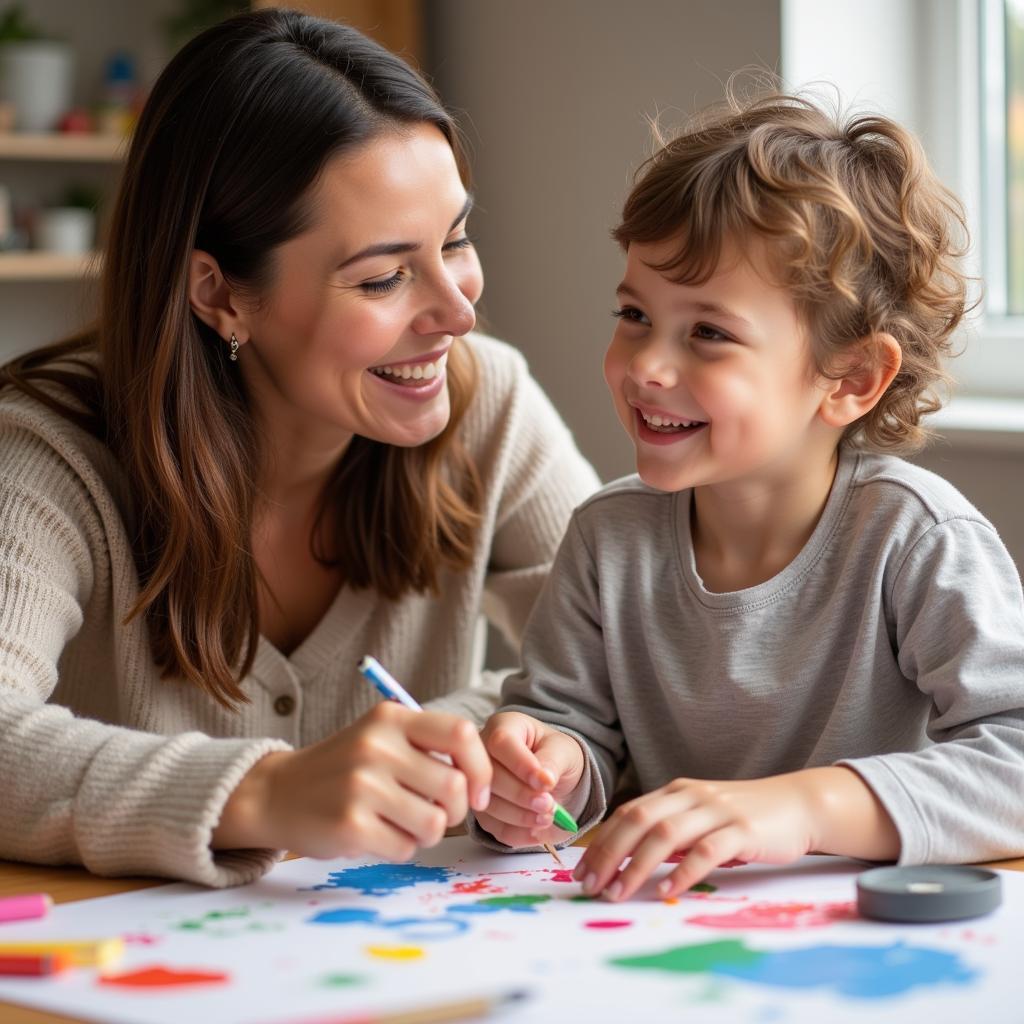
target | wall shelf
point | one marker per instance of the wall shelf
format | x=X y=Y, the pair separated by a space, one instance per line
x=67 y=147
x=48 y=266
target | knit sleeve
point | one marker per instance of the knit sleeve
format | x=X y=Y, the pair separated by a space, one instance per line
x=536 y=477
x=115 y=800
x=959 y=617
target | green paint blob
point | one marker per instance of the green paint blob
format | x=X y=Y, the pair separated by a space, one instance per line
x=342 y=980
x=696 y=959
x=582 y=899
x=513 y=901
x=703 y=887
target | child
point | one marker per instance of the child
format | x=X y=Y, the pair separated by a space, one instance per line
x=799 y=641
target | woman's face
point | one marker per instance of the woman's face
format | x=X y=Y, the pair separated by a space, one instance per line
x=353 y=336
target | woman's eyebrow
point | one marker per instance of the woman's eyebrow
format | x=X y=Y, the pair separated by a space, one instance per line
x=402 y=248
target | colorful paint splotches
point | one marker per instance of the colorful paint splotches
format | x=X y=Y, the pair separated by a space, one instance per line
x=396 y=952
x=384 y=879
x=859 y=972
x=607 y=924
x=416 y=929
x=779 y=915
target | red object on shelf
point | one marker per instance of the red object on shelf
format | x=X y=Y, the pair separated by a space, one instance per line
x=77 y=120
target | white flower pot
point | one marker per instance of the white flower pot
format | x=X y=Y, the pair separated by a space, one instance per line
x=35 y=76
x=66 y=229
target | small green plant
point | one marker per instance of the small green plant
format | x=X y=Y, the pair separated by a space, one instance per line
x=86 y=197
x=15 y=26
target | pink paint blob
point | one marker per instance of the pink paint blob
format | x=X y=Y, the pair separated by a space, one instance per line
x=159 y=976
x=779 y=915
x=561 y=875
x=607 y=924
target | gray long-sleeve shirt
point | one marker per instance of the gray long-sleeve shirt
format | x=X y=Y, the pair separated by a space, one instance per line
x=893 y=643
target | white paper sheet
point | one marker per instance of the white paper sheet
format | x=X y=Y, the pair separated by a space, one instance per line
x=320 y=939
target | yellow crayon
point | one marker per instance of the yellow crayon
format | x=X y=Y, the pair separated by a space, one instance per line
x=100 y=953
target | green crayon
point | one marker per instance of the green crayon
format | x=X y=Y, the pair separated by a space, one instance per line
x=564 y=820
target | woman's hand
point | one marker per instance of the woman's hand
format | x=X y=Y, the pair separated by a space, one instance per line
x=769 y=820
x=371 y=789
x=534 y=766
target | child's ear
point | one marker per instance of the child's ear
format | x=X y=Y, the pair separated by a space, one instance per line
x=869 y=370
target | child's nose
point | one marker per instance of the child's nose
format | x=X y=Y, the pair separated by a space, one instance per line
x=655 y=367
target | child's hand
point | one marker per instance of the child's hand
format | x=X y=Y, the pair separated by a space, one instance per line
x=370 y=789
x=769 y=820
x=534 y=766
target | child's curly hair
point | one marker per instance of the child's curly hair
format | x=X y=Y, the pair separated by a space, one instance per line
x=863 y=234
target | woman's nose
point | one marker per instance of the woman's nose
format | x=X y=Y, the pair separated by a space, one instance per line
x=448 y=311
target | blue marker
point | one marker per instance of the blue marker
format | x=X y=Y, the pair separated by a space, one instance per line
x=387 y=683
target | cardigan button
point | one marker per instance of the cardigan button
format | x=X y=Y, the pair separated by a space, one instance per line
x=284 y=705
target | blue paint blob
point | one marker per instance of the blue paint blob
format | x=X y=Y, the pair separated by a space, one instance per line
x=384 y=879
x=861 y=972
x=491 y=908
x=423 y=928
x=410 y=928
x=346 y=915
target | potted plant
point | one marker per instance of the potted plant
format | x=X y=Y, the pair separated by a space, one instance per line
x=71 y=226
x=35 y=72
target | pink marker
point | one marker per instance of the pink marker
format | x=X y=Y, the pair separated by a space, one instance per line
x=21 y=908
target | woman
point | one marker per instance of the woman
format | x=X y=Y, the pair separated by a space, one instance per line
x=279 y=450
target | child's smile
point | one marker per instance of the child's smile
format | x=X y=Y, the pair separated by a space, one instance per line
x=713 y=381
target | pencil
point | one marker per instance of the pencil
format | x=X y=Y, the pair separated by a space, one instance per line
x=391 y=688
x=439 y=1013
x=21 y=908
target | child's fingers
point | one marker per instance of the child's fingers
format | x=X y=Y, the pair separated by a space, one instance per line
x=513 y=814
x=623 y=833
x=710 y=852
x=651 y=852
x=514 y=791
x=511 y=835
x=508 y=743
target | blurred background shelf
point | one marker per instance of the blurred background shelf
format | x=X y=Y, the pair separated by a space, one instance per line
x=67 y=147
x=48 y=266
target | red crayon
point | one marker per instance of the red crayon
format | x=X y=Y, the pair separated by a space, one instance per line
x=33 y=964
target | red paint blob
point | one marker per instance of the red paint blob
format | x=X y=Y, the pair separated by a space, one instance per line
x=163 y=977
x=561 y=875
x=607 y=924
x=480 y=885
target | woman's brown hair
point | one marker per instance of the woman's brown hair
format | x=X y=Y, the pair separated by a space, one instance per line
x=861 y=232
x=233 y=136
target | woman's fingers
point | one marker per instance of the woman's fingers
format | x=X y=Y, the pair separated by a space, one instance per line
x=457 y=737
x=435 y=782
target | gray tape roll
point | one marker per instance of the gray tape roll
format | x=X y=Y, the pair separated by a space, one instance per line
x=928 y=893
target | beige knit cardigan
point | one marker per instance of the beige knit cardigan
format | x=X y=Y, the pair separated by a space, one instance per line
x=104 y=763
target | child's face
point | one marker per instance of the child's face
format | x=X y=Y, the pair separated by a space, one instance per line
x=713 y=382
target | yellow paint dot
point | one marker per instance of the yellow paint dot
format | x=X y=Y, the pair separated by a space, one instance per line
x=672 y=901
x=395 y=952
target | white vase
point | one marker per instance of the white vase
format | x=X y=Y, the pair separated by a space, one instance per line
x=70 y=229
x=35 y=76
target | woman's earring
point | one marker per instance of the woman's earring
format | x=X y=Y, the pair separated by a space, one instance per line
x=234 y=348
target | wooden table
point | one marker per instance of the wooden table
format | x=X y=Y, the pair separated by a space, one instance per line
x=66 y=884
